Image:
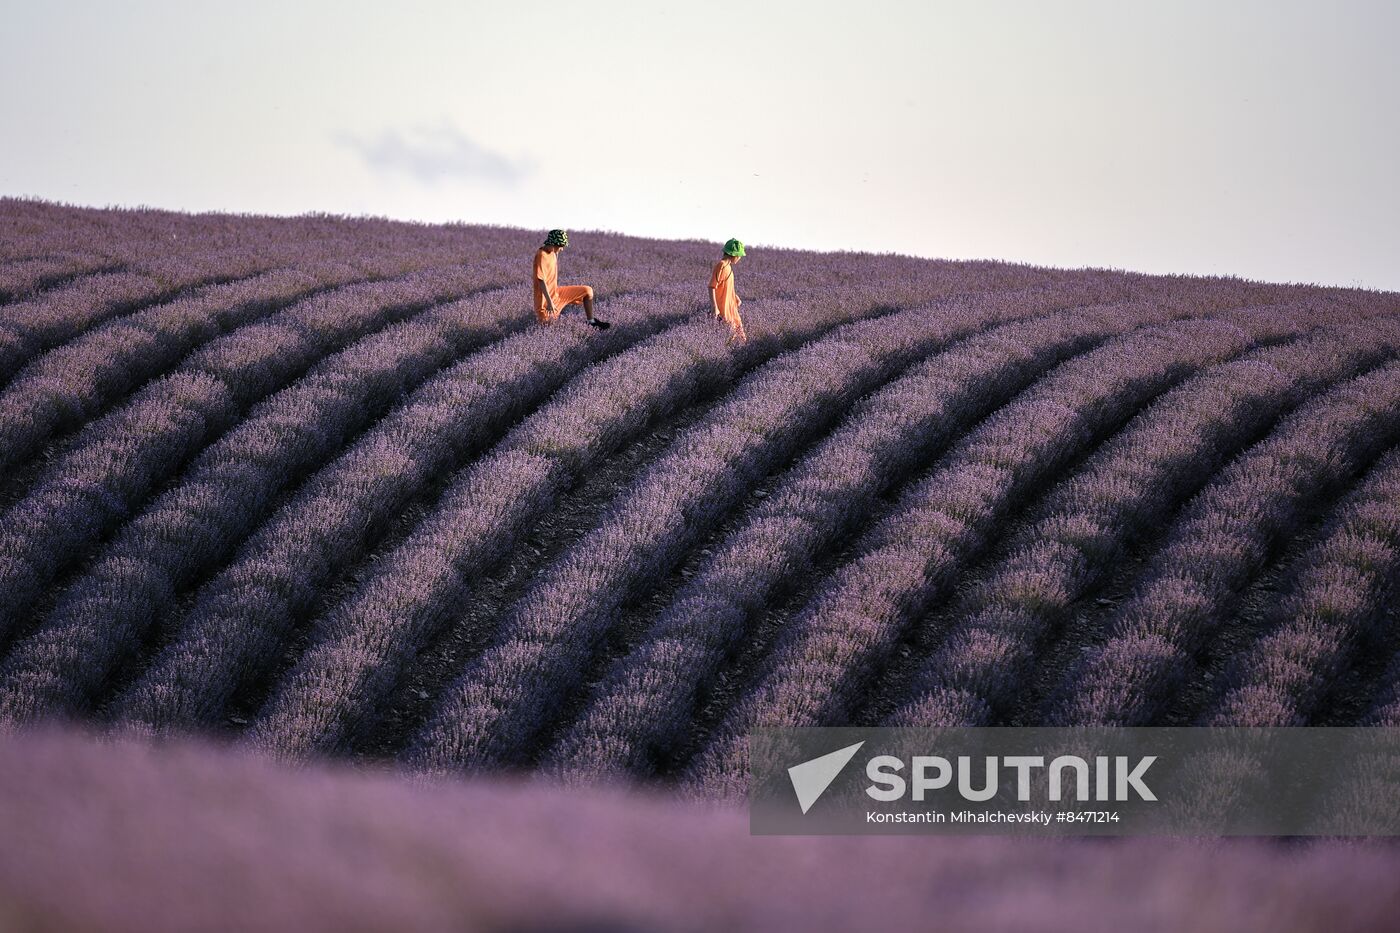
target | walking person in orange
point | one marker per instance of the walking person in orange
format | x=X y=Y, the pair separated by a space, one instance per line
x=551 y=298
x=723 y=297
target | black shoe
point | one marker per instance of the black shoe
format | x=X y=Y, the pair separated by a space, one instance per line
x=601 y=325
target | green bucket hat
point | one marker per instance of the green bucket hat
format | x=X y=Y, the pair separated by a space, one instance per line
x=557 y=238
x=734 y=248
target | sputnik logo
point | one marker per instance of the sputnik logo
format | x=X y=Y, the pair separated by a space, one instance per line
x=811 y=778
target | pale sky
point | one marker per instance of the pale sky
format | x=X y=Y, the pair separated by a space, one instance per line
x=1258 y=139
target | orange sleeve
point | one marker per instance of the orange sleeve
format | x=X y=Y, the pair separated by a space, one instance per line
x=539 y=264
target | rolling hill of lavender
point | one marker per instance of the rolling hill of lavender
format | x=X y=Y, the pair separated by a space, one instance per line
x=320 y=488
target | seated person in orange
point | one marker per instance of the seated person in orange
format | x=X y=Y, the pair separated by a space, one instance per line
x=723 y=298
x=550 y=297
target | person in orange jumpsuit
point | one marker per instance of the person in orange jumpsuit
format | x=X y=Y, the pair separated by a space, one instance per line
x=723 y=298
x=551 y=298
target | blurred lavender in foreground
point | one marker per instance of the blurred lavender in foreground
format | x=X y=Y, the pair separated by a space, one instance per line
x=116 y=836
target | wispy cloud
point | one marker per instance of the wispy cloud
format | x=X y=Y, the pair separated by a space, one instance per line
x=434 y=154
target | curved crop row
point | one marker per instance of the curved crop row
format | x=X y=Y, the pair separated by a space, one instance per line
x=225 y=492
x=27 y=328
x=360 y=647
x=1337 y=600
x=21 y=278
x=826 y=655
x=72 y=383
x=30 y=327
x=1224 y=537
x=544 y=649
x=119 y=459
x=1091 y=521
x=648 y=695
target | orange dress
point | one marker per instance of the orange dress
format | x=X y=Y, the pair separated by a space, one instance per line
x=547 y=268
x=726 y=297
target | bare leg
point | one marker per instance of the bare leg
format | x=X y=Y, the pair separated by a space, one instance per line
x=588 y=311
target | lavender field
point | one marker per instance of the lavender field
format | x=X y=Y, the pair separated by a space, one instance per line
x=321 y=488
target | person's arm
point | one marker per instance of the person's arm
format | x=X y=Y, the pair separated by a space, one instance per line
x=544 y=289
x=548 y=298
x=716 y=278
